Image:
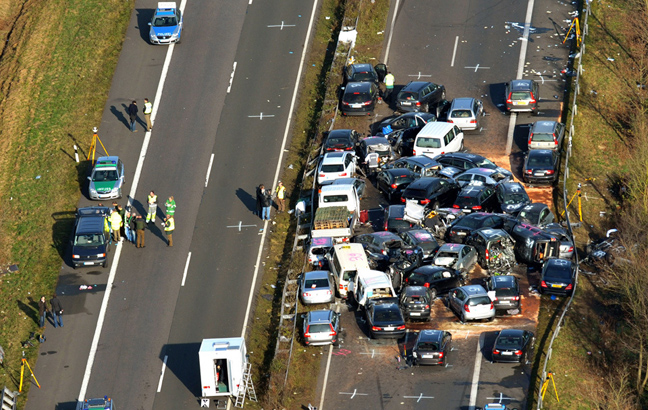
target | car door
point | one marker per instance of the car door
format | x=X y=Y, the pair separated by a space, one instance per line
x=359 y=185
x=381 y=70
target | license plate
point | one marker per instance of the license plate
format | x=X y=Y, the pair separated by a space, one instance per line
x=88 y=263
x=356 y=105
x=406 y=103
x=556 y=286
x=519 y=103
x=461 y=233
x=539 y=173
x=415 y=314
x=505 y=301
x=389 y=328
x=428 y=356
x=507 y=353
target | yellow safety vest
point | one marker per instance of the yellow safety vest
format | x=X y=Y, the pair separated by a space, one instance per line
x=115 y=220
x=148 y=107
x=281 y=191
x=152 y=199
x=389 y=80
x=169 y=225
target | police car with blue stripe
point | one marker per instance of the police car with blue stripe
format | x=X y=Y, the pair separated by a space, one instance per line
x=166 y=25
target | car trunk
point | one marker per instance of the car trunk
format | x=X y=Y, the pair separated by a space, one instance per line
x=544 y=249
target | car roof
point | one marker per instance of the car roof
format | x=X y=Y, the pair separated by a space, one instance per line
x=558 y=262
x=333 y=188
x=435 y=127
x=397 y=211
x=399 y=171
x=415 y=290
x=465 y=103
x=535 y=206
x=385 y=303
x=316 y=274
x=375 y=140
x=521 y=85
x=544 y=126
x=462 y=155
x=334 y=157
x=107 y=162
x=431 y=334
x=416 y=85
x=319 y=316
x=473 y=290
x=90 y=224
x=472 y=190
x=481 y=171
x=361 y=67
x=490 y=233
x=511 y=332
x=421 y=160
x=428 y=269
x=384 y=235
x=454 y=247
x=511 y=187
x=358 y=87
x=340 y=133
x=504 y=280
x=540 y=153
x=423 y=183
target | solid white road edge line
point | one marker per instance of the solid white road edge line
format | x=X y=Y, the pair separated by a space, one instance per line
x=520 y=71
x=391 y=31
x=454 y=53
x=162 y=373
x=475 y=380
x=211 y=161
x=328 y=366
x=281 y=154
x=115 y=263
x=184 y=275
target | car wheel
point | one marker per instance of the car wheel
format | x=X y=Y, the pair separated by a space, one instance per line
x=74 y=266
x=490 y=319
x=336 y=343
x=463 y=317
x=105 y=264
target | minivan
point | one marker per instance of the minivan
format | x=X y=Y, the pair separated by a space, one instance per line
x=344 y=261
x=438 y=138
x=91 y=238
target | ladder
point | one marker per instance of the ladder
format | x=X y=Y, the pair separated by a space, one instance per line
x=248 y=387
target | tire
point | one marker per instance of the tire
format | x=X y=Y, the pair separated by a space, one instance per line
x=105 y=264
x=463 y=317
x=490 y=319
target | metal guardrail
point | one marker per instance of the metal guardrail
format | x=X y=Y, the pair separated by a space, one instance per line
x=574 y=111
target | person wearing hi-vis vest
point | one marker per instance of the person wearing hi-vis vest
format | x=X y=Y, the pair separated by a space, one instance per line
x=148 y=109
x=152 y=207
x=170 y=206
x=116 y=224
x=389 y=85
x=169 y=226
x=281 y=197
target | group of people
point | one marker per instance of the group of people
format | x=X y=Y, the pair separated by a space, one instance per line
x=264 y=199
x=128 y=224
x=133 y=109
x=56 y=311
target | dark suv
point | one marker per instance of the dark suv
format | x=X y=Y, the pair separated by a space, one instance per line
x=91 y=238
x=392 y=182
x=431 y=191
x=341 y=140
x=476 y=198
x=415 y=303
x=359 y=98
x=512 y=197
x=506 y=290
x=493 y=245
x=364 y=73
x=437 y=279
x=522 y=96
x=463 y=227
x=421 y=96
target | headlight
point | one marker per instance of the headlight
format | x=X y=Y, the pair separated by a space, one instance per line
x=115 y=190
x=92 y=190
x=76 y=256
x=175 y=34
x=152 y=35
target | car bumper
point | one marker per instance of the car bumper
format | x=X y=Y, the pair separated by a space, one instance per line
x=481 y=316
x=506 y=358
x=416 y=315
x=386 y=334
x=320 y=342
x=422 y=361
x=316 y=300
x=357 y=111
x=163 y=42
x=109 y=195
x=556 y=291
x=507 y=306
x=533 y=179
x=520 y=108
x=93 y=262
x=409 y=108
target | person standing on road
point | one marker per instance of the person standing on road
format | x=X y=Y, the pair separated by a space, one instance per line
x=42 y=311
x=57 y=311
x=128 y=227
x=389 y=86
x=281 y=197
x=116 y=224
x=266 y=203
x=132 y=114
x=148 y=109
x=169 y=226
x=170 y=206
x=152 y=207
x=259 y=195
x=140 y=225
x=122 y=213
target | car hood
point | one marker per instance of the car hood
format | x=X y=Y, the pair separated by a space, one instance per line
x=103 y=186
x=88 y=250
x=445 y=261
x=512 y=208
x=164 y=31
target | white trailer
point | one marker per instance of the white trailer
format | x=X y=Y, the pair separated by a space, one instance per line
x=225 y=370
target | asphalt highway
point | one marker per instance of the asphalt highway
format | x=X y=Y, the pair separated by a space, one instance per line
x=150 y=315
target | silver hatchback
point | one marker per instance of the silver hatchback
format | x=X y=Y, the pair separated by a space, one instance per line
x=316 y=287
x=471 y=303
x=465 y=113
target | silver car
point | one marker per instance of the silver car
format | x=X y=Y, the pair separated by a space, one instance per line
x=465 y=113
x=321 y=327
x=483 y=176
x=546 y=135
x=459 y=257
x=566 y=244
x=471 y=303
x=316 y=287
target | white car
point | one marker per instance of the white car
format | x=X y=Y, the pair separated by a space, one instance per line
x=336 y=165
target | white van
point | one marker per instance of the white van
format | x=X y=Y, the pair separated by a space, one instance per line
x=344 y=261
x=371 y=284
x=438 y=138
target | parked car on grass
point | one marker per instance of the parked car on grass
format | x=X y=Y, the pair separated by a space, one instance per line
x=557 y=277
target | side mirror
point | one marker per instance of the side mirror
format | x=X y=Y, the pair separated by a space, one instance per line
x=303 y=315
x=89 y=178
x=149 y=24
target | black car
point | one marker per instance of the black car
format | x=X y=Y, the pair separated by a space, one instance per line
x=432 y=192
x=359 y=99
x=384 y=318
x=494 y=247
x=403 y=140
x=393 y=219
x=420 y=165
x=437 y=279
x=415 y=303
x=466 y=161
x=91 y=238
x=557 y=277
x=364 y=73
x=392 y=182
x=512 y=197
x=408 y=120
x=537 y=214
x=475 y=198
x=421 y=96
x=423 y=239
x=463 y=227
x=513 y=346
x=432 y=347
x=541 y=166
x=381 y=247
x=532 y=244
x=507 y=292
x=340 y=140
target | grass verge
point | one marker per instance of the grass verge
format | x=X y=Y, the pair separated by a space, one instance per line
x=55 y=75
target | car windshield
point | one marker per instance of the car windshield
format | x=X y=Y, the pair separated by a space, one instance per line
x=319 y=251
x=415 y=193
x=335 y=198
x=559 y=273
x=464 y=201
x=520 y=95
x=333 y=168
x=428 y=347
x=447 y=254
x=165 y=21
x=387 y=315
x=363 y=77
x=397 y=224
x=89 y=240
x=506 y=292
x=461 y=114
x=337 y=141
x=407 y=95
x=104 y=175
x=479 y=300
x=427 y=142
x=323 y=328
x=316 y=283
x=511 y=199
x=402 y=179
x=355 y=98
x=485 y=163
x=509 y=341
x=470 y=222
x=542 y=137
x=540 y=161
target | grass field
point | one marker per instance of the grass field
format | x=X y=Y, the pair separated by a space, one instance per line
x=55 y=74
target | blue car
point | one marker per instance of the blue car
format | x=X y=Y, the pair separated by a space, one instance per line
x=166 y=25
